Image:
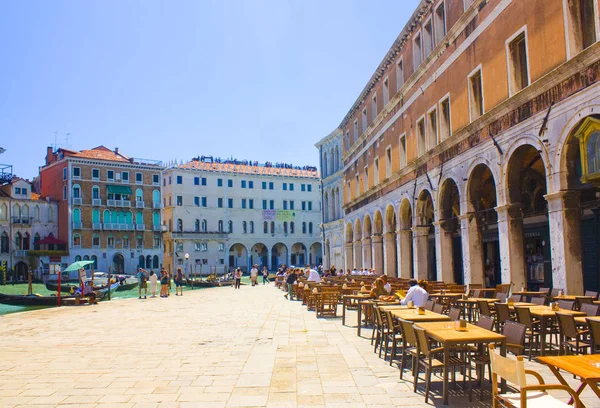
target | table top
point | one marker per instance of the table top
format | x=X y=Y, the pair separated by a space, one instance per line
x=446 y=333
x=546 y=311
x=447 y=294
x=412 y=316
x=357 y=296
x=586 y=366
x=571 y=297
x=485 y=289
x=511 y=306
x=530 y=293
x=391 y=307
x=475 y=300
x=581 y=319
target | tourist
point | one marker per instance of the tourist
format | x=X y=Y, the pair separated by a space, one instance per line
x=416 y=293
x=378 y=289
x=142 y=282
x=254 y=275
x=164 y=283
x=179 y=283
x=290 y=284
x=313 y=276
x=238 y=278
x=386 y=285
x=153 y=281
x=265 y=274
x=169 y=277
x=88 y=291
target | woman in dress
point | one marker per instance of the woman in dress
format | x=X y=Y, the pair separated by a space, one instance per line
x=153 y=281
x=164 y=284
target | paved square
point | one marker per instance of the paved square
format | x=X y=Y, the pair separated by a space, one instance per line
x=209 y=348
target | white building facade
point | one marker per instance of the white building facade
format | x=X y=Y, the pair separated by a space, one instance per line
x=225 y=215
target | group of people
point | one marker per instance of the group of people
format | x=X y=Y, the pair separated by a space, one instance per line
x=332 y=271
x=165 y=283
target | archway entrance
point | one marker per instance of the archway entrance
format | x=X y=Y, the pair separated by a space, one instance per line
x=118 y=264
x=258 y=255
x=316 y=254
x=407 y=267
x=279 y=255
x=298 y=257
x=390 y=243
x=238 y=257
x=450 y=237
x=425 y=254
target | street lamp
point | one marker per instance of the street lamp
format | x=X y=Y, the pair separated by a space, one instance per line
x=186 y=256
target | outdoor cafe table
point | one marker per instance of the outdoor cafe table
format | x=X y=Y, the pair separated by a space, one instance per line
x=448 y=336
x=347 y=300
x=578 y=299
x=586 y=367
x=365 y=302
x=582 y=319
x=529 y=294
x=546 y=314
x=410 y=314
x=471 y=303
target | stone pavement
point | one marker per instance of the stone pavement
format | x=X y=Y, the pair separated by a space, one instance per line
x=210 y=348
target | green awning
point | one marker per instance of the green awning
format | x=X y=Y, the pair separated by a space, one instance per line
x=119 y=189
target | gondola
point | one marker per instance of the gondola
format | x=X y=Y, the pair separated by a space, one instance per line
x=127 y=286
x=30 y=300
x=197 y=283
x=64 y=288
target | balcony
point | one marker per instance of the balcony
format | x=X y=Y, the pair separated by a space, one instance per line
x=125 y=227
x=109 y=226
x=96 y=202
x=77 y=201
x=209 y=235
x=77 y=225
x=76 y=246
x=140 y=227
x=126 y=203
x=97 y=226
x=140 y=182
x=24 y=221
x=118 y=203
x=157 y=205
x=157 y=228
x=21 y=253
x=139 y=204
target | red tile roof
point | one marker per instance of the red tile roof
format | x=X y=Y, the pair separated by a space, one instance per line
x=101 y=153
x=248 y=169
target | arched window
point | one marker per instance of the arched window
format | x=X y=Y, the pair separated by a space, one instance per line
x=197 y=226
x=156 y=196
x=96 y=241
x=114 y=217
x=50 y=214
x=26 y=241
x=179 y=225
x=156 y=219
x=36 y=213
x=285 y=227
x=129 y=219
x=76 y=215
x=95 y=193
x=4 y=243
x=25 y=212
x=139 y=218
x=16 y=212
x=76 y=191
x=18 y=241
x=155 y=262
x=106 y=216
x=291 y=227
x=148 y=261
x=76 y=241
x=95 y=216
x=95 y=259
x=272 y=227
x=244 y=227
x=126 y=241
x=139 y=195
x=265 y=227
x=142 y=261
x=251 y=227
x=304 y=227
x=77 y=258
x=310 y=228
x=230 y=223
x=171 y=225
x=324 y=165
x=204 y=226
x=3 y=212
x=220 y=225
x=36 y=238
x=121 y=217
x=86 y=258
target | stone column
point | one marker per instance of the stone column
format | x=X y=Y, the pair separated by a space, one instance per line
x=512 y=245
x=269 y=260
x=389 y=254
x=348 y=257
x=405 y=253
x=564 y=218
x=472 y=248
x=366 y=251
x=377 y=253
x=444 y=255
x=357 y=254
x=421 y=252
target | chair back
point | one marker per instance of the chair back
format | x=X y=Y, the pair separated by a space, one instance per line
x=594 y=326
x=379 y=319
x=515 y=337
x=515 y=298
x=429 y=304
x=501 y=297
x=390 y=320
x=511 y=370
x=476 y=293
x=590 y=309
x=438 y=308
x=555 y=292
x=503 y=288
x=538 y=300
x=454 y=313
x=544 y=290
x=485 y=322
x=591 y=293
x=524 y=316
x=422 y=341
x=566 y=304
x=484 y=308
x=502 y=312
x=566 y=325
x=408 y=332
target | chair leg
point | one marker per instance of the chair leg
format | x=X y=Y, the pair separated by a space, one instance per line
x=403 y=359
x=416 y=378
x=427 y=384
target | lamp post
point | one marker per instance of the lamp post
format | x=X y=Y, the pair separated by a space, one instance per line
x=187 y=256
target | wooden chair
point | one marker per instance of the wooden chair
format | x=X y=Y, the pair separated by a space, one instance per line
x=394 y=336
x=594 y=326
x=502 y=315
x=438 y=308
x=430 y=363
x=409 y=345
x=484 y=308
x=501 y=297
x=429 y=305
x=454 y=313
x=381 y=330
x=566 y=304
x=485 y=322
x=555 y=292
x=538 y=300
x=327 y=302
x=516 y=298
x=514 y=372
x=591 y=293
x=473 y=287
x=544 y=290
x=590 y=309
x=533 y=327
x=571 y=338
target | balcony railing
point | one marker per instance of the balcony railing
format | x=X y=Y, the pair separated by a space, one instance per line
x=157 y=228
x=140 y=227
x=77 y=201
x=96 y=202
x=118 y=203
x=21 y=253
x=157 y=205
x=139 y=182
x=25 y=221
x=125 y=227
x=96 y=226
x=77 y=225
x=139 y=204
x=76 y=246
x=108 y=226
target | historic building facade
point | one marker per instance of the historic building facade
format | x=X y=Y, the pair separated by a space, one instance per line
x=228 y=214
x=330 y=149
x=109 y=207
x=472 y=153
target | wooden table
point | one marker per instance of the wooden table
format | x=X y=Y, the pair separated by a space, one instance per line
x=470 y=303
x=347 y=300
x=512 y=305
x=546 y=314
x=529 y=294
x=449 y=337
x=586 y=367
x=412 y=316
x=581 y=319
x=577 y=299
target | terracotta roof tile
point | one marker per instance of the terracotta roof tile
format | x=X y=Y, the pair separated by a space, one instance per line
x=101 y=153
x=246 y=169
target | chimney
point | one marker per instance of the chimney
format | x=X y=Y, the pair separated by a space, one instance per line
x=49 y=155
x=116 y=150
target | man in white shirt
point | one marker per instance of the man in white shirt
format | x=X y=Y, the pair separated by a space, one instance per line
x=386 y=285
x=416 y=293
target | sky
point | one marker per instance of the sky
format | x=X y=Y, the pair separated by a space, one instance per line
x=170 y=80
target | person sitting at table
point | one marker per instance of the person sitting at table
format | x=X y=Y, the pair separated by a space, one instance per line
x=378 y=289
x=313 y=276
x=386 y=285
x=416 y=293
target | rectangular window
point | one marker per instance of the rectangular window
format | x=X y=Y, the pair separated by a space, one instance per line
x=271 y=185
x=402 y=148
x=291 y=204
x=310 y=206
x=110 y=175
x=243 y=203
x=421 y=136
x=18 y=190
x=229 y=183
x=355 y=130
x=204 y=202
x=197 y=246
x=251 y=184
x=388 y=162
x=264 y=204
x=251 y=204
x=64 y=173
x=347 y=141
x=349 y=191
x=271 y=204
x=284 y=186
x=357 y=186
x=169 y=180
x=125 y=177
x=95 y=174
x=220 y=202
x=427 y=38
x=581 y=25
x=417 y=51
x=264 y=185
x=386 y=91
x=440 y=22
x=399 y=74
x=77 y=173
x=156 y=179
x=203 y=181
x=164 y=182
x=432 y=131
x=220 y=182
x=303 y=206
x=197 y=201
x=309 y=187
x=230 y=202
x=445 y=129
x=302 y=187
x=179 y=179
x=475 y=94
x=364 y=120
x=139 y=178
x=291 y=186
x=196 y=181
x=285 y=204
x=374 y=107
x=375 y=171
x=518 y=70
x=366 y=179
x=221 y=247
x=243 y=183
x=179 y=201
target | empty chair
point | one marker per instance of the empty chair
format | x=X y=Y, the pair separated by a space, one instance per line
x=454 y=313
x=594 y=326
x=566 y=304
x=381 y=330
x=409 y=345
x=516 y=298
x=484 y=308
x=544 y=290
x=571 y=338
x=429 y=304
x=590 y=309
x=476 y=293
x=438 y=308
x=591 y=293
x=394 y=335
x=485 y=322
x=533 y=327
x=555 y=292
x=501 y=297
x=514 y=371
x=538 y=300
x=502 y=315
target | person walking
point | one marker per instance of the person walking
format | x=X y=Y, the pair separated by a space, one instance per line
x=254 y=275
x=142 y=282
x=290 y=284
x=153 y=282
x=179 y=283
x=265 y=274
x=238 y=278
x=164 y=283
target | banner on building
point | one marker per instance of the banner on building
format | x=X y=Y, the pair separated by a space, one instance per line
x=269 y=215
x=279 y=215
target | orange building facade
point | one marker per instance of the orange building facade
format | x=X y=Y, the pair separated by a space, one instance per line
x=471 y=154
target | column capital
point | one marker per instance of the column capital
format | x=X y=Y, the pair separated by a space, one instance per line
x=563 y=200
x=404 y=231
x=389 y=235
x=376 y=238
x=420 y=231
x=512 y=211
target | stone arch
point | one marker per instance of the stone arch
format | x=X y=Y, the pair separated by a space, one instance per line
x=357 y=229
x=406 y=215
x=357 y=245
x=367 y=227
x=258 y=255
x=424 y=237
x=449 y=245
x=377 y=223
x=279 y=255
x=238 y=256
x=298 y=255
x=349 y=233
x=405 y=253
x=390 y=219
x=315 y=255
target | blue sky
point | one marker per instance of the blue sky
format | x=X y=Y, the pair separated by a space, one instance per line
x=253 y=79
